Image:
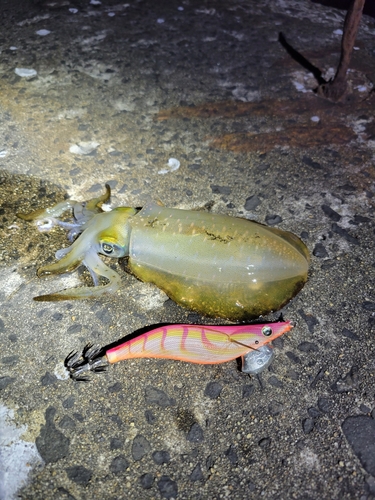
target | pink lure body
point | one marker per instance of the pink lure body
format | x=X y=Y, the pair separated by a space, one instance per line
x=198 y=343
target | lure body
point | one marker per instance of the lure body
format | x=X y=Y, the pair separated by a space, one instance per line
x=197 y=343
x=191 y=343
x=215 y=264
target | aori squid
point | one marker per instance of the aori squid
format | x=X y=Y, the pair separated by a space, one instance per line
x=214 y=264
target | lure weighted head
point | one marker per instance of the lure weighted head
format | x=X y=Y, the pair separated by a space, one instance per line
x=255 y=362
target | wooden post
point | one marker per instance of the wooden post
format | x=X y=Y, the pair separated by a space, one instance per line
x=336 y=88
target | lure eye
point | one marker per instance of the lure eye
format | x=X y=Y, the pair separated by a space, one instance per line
x=267 y=331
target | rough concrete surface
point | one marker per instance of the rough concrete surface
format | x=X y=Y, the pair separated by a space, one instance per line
x=119 y=89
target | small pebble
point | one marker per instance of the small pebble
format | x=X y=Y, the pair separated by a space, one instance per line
x=213 y=390
x=308 y=425
x=195 y=434
x=197 y=474
x=158 y=397
x=231 y=454
x=360 y=433
x=146 y=480
x=119 y=465
x=140 y=447
x=167 y=487
x=324 y=405
x=161 y=457
x=79 y=474
x=265 y=442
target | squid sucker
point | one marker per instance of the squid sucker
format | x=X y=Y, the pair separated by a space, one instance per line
x=217 y=265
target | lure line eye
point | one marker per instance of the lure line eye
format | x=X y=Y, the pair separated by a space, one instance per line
x=267 y=331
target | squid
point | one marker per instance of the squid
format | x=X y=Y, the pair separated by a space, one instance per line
x=190 y=343
x=217 y=265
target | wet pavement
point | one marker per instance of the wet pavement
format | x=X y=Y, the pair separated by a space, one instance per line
x=115 y=91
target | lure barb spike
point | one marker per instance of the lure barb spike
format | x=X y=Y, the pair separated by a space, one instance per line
x=90 y=360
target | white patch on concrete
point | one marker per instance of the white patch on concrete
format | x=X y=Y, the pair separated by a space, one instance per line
x=10 y=281
x=329 y=74
x=118 y=7
x=243 y=94
x=309 y=460
x=84 y=148
x=25 y=72
x=148 y=296
x=93 y=40
x=124 y=104
x=60 y=372
x=204 y=10
x=34 y=20
x=17 y=457
x=303 y=82
x=70 y=114
x=43 y=32
x=173 y=164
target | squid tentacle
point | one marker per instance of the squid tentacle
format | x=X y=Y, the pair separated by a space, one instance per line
x=96 y=267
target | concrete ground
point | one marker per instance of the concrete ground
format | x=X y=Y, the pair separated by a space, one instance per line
x=119 y=89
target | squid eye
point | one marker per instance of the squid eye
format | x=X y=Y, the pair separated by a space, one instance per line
x=267 y=331
x=107 y=248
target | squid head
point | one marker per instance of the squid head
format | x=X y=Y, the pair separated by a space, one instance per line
x=108 y=234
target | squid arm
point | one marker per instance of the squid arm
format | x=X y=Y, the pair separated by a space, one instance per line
x=96 y=267
x=190 y=343
x=46 y=218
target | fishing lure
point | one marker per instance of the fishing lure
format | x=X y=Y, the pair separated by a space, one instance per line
x=217 y=265
x=191 y=343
